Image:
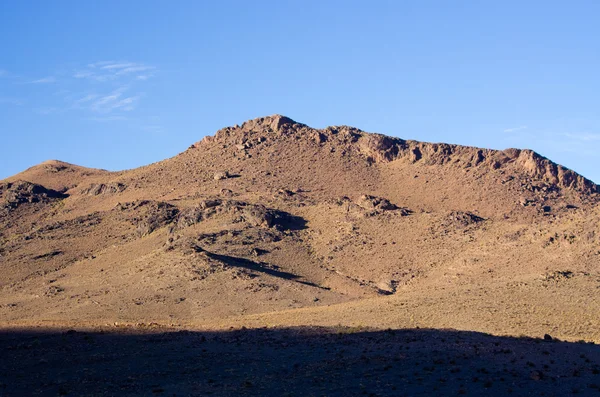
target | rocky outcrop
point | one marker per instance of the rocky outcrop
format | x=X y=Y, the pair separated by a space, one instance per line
x=252 y=214
x=462 y=219
x=367 y=206
x=378 y=148
x=14 y=194
x=96 y=189
x=375 y=203
x=149 y=215
x=254 y=132
x=540 y=167
x=381 y=148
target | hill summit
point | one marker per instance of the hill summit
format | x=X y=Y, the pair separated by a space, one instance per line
x=382 y=148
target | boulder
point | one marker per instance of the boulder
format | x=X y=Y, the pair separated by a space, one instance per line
x=220 y=175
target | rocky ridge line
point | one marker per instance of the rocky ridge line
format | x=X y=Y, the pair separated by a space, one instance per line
x=378 y=148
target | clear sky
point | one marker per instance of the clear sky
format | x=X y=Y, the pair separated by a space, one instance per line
x=119 y=84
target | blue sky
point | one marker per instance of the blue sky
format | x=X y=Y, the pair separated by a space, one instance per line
x=119 y=84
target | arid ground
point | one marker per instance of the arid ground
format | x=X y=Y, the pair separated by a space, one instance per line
x=277 y=259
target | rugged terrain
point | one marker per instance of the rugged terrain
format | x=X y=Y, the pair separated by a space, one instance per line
x=273 y=223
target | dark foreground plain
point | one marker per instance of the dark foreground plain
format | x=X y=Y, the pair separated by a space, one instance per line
x=292 y=362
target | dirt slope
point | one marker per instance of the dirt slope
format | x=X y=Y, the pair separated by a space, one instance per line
x=274 y=222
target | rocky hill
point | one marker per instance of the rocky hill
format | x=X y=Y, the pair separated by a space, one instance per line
x=277 y=223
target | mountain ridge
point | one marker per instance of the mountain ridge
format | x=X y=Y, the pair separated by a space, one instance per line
x=274 y=222
x=374 y=146
x=380 y=147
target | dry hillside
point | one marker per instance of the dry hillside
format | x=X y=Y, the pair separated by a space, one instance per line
x=276 y=223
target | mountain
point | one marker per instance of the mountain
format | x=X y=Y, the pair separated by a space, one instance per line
x=277 y=223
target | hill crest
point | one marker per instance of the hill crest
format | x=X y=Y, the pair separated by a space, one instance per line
x=379 y=148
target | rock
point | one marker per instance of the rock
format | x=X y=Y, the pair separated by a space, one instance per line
x=54 y=290
x=540 y=167
x=21 y=192
x=185 y=245
x=547 y=337
x=558 y=276
x=190 y=216
x=156 y=215
x=525 y=201
x=376 y=203
x=319 y=137
x=464 y=219
x=415 y=155
x=258 y=252
x=380 y=148
x=387 y=287
x=285 y=193
x=253 y=214
x=210 y=203
x=536 y=375
x=367 y=206
x=221 y=175
x=258 y=215
x=101 y=188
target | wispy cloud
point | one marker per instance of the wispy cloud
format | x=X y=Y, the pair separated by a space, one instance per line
x=47 y=110
x=83 y=74
x=11 y=101
x=515 y=129
x=3 y=72
x=86 y=99
x=111 y=65
x=113 y=70
x=45 y=80
x=101 y=91
x=582 y=136
x=108 y=119
x=117 y=100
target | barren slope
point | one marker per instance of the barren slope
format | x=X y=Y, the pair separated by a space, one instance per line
x=274 y=222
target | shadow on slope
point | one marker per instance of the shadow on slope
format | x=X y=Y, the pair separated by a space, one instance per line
x=295 y=361
x=261 y=267
x=292 y=222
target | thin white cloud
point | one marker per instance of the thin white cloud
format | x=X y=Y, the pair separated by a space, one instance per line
x=3 y=72
x=118 y=65
x=515 y=129
x=134 y=69
x=108 y=119
x=83 y=74
x=11 y=101
x=45 y=80
x=105 y=89
x=582 y=136
x=87 y=98
x=101 y=64
x=112 y=70
x=116 y=100
x=47 y=111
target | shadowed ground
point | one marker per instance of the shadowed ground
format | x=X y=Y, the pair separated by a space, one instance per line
x=260 y=267
x=294 y=361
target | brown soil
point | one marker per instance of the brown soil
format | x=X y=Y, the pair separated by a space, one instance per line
x=274 y=223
